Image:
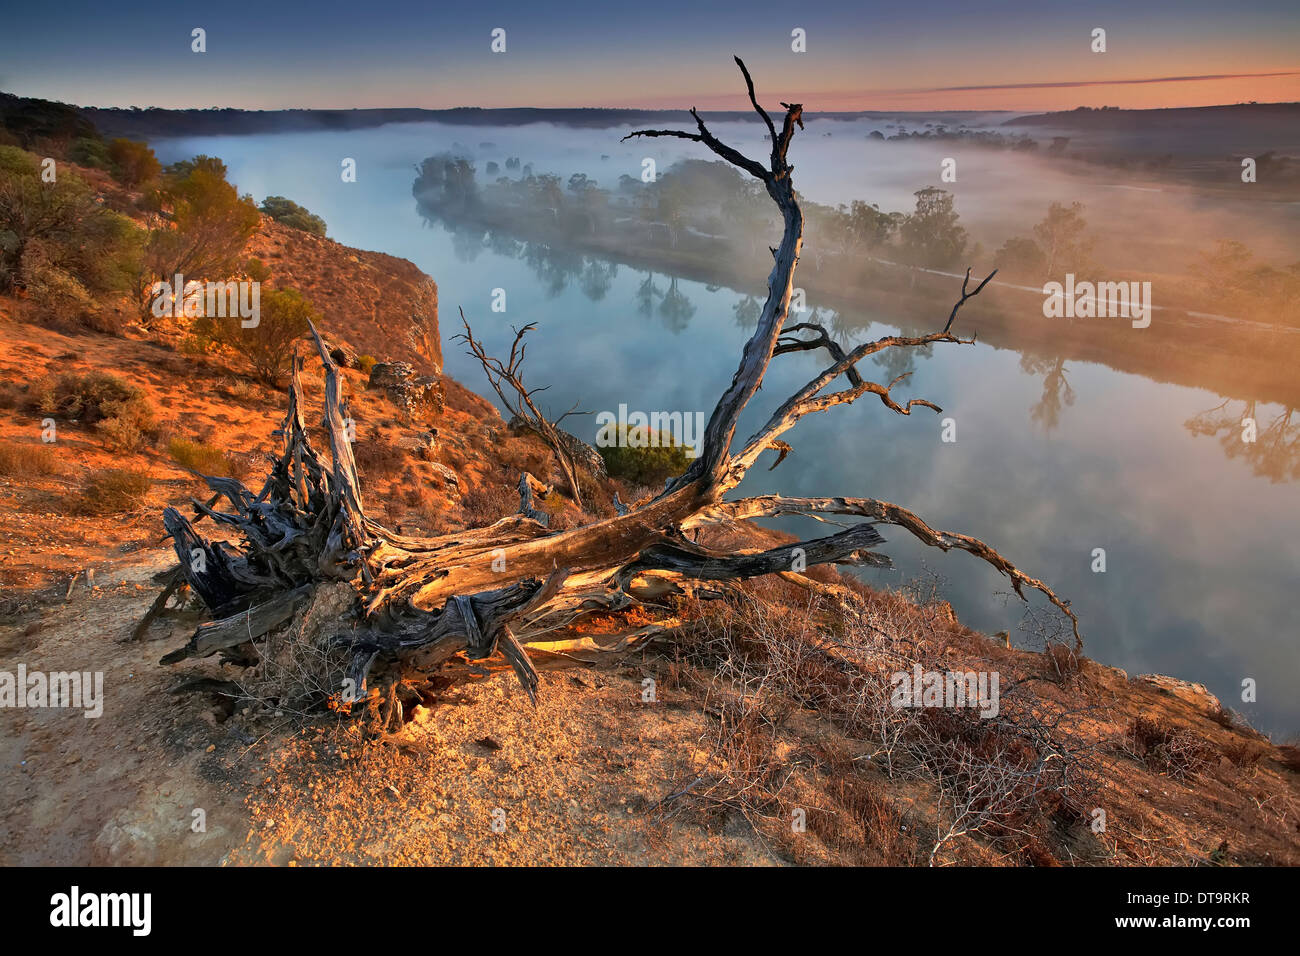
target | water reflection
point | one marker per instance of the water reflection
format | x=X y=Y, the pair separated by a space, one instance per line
x=676 y=309
x=1269 y=444
x=1057 y=391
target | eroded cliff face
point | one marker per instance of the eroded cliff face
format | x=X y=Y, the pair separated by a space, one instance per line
x=366 y=299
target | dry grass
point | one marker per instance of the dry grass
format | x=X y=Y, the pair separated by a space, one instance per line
x=27 y=461
x=205 y=459
x=488 y=504
x=1008 y=781
x=1168 y=749
x=378 y=459
x=113 y=491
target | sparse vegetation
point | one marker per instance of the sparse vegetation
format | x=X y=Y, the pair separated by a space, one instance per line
x=27 y=460
x=205 y=459
x=267 y=347
x=293 y=215
x=488 y=504
x=68 y=253
x=377 y=458
x=113 y=491
x=1169 y=749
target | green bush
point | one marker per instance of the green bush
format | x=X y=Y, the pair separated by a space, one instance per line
x=133 y=163
x=289 y=213
x=201 y=227
x=257 y=270
x=18 y=161
x=87 y=151
x=366 y=363
x=268 y=346
x=113 y=491
x=58 y=244
x=658 y=460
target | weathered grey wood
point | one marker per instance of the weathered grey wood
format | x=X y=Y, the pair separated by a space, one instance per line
x=173 y=580
x=248 y=625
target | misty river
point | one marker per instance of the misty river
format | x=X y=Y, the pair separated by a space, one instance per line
x=1052 y=459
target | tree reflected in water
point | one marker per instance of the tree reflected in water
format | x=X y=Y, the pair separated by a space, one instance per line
x=1274 y=452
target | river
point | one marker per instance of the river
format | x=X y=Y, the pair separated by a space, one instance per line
x=1051 y=460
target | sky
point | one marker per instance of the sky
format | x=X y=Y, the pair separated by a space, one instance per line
x=658 y=54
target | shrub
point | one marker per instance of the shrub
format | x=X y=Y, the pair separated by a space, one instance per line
x=133 y=163
x=1165 y=748
x=114 y=490
x=376 y=458
x=1244 y=753
x=257 y=270
x=24 y=461
x=1062 y=661
x=51 y=287
x=366 y=363
x=18 y=161
x=204 y=459
x=88 y=151
x=57 y=242
x=268 y=346
x=129 y=424
x=122 y=413
x=289 y=213
x=489 y=504
x=89 y=398
x=657 y=460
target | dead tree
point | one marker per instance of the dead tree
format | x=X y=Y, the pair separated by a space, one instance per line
x=506 y=379
x=411 y=602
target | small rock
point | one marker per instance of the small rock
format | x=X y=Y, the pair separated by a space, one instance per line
x=388 y=374
x=448 y=476
x=1198 y=695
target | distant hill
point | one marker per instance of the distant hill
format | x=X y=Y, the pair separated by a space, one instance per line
x=1241 y=116
x=157 y=123
x=31 y=118
x=1183 y=134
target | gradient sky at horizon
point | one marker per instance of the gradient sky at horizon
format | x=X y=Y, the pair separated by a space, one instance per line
x=665 y=54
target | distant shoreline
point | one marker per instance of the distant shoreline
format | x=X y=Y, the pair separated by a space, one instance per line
x=157 y=123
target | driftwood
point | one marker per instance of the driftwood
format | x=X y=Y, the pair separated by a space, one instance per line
x=421 y=601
